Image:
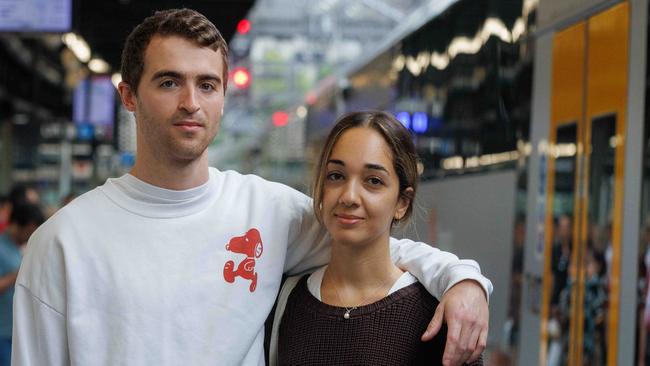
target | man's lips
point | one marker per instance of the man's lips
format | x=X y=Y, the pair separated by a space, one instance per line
x=189 y=125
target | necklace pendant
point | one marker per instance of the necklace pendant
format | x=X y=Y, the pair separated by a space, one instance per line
x=347 y=314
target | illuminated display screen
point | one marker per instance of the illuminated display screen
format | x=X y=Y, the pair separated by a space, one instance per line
x=80 y=102
x=35 y=15
x=102 y=101
x=94 y=104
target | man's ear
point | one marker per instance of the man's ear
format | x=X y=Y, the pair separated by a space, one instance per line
x=127 y=95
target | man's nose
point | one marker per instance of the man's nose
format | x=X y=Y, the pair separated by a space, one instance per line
x=189 y=101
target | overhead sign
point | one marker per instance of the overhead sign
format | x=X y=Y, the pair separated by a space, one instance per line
x=35 y=15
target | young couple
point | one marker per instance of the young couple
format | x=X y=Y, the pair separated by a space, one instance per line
x=178 y=263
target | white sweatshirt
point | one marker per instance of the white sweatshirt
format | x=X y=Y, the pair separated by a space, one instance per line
x=133 y=274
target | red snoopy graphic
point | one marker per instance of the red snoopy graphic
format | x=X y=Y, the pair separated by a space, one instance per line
x=249 y=244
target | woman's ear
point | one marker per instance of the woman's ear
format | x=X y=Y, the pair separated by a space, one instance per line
x=403 y=203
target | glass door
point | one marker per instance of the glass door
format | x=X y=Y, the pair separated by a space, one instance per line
x=584 y=209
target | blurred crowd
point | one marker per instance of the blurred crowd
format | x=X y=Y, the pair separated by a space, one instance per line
x=597 y=264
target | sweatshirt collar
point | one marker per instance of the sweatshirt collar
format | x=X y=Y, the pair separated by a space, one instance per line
x=149 y=200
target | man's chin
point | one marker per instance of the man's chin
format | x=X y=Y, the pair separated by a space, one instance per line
x=189 y=153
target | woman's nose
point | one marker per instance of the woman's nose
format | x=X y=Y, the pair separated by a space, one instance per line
x=350 y=194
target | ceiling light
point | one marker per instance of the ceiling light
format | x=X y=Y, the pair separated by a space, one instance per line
x=116 y=78
x=301 y=111
x=78 y=46
x=98 y=66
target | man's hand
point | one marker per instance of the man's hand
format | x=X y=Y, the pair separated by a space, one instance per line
x=465 y=310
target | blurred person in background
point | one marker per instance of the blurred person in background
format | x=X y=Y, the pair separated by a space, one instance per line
x=19 y=194
x=561 y=256
x=5 y=212
x=24 y=220
x=594 y=302
x=179 y=263
x=560 y=264
x=609 y=251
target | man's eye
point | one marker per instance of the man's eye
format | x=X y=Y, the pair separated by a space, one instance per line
x=168 y=84
x=207 y=86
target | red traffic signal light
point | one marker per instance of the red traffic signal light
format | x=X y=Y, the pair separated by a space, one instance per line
x=241 y=77
x=280 y=118
x=244 y=26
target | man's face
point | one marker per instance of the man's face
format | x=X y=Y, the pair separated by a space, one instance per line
x=179 y=100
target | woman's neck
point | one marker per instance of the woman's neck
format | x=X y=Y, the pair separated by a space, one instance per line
x=358 y=275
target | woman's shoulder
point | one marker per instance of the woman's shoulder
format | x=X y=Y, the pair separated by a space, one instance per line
x=290 y=283
x=408 y=285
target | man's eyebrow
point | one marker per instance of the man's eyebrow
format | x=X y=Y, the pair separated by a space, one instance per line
x=177 y=75
x=167 y=73
x=214 y=77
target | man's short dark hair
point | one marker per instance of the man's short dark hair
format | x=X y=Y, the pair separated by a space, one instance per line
x=25 y=214
x=185 y=23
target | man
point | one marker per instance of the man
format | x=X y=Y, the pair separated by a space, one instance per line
x=23 y=221
x=179 y=263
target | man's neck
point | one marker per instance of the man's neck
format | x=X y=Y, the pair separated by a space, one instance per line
x=174 y=175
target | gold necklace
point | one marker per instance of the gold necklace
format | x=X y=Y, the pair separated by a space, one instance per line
x=346 y=315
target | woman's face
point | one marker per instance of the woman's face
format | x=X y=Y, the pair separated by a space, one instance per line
x=361 y=189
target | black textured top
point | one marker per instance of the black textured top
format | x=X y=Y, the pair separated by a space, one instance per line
x=386 y=332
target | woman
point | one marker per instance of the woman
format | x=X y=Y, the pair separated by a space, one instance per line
x=360 y=309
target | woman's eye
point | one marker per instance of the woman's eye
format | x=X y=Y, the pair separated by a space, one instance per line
x=334 y=176
x=375 y=181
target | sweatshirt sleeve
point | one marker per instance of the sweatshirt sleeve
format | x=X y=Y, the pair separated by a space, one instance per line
x=40 y=307
x=437 y=270
x=39 y=335
x=309 y=243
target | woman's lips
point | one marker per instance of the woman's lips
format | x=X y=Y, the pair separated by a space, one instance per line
x=347 y=219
